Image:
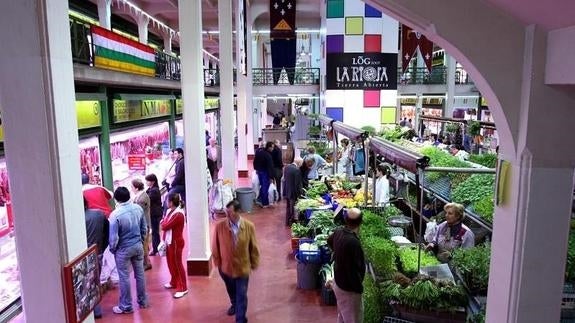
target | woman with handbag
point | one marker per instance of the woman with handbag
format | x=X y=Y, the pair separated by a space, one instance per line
x=156 y=210
x=173 y=226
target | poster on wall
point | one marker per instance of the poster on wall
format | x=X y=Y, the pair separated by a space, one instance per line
x=82 y=285
x=361 y=71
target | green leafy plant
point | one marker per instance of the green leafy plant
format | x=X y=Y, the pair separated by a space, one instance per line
x=381 y=253
x=316 y=189
x=369 y=129
x=473 y=264
x=473 y=189
x=452 y=127
x=304 y=204
x=321 y=147
x=373 y=311
x=487 y=160
x=408 y=257
x=299 y=230
x=474 y=128
x=485 y=208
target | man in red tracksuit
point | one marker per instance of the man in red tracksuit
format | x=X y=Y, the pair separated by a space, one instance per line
x=97 y=197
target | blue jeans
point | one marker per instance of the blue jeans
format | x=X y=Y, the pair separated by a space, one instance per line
x=264 y=187
x=133 y=255
x=237 y=289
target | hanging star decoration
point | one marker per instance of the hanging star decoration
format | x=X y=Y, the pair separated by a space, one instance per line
x=284 y=9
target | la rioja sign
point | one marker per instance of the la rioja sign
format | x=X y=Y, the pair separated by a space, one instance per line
x=361 y=71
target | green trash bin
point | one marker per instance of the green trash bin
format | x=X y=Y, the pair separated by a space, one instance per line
x=245 y=195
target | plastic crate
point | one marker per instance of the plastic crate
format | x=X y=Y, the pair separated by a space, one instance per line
x=308 y=256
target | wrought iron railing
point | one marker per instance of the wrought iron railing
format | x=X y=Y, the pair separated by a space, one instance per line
x=168 y=67
x=211 y=77
x=288 y=76
x=420 y=75
x=81 y=41
x=461 y=76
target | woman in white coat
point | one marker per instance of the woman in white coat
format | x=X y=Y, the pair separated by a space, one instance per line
x=381 y=185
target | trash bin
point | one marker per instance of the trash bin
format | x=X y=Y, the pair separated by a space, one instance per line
x=245 y=196
x=307 y=274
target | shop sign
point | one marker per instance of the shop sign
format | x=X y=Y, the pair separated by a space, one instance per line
x=88 y=114
x=361 y=71
x=132 y=110
x=209 y=104
x=137 y=162
x=408 y=101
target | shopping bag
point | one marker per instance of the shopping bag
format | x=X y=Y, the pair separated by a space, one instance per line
x=255 y=184
x=272 y=193
x=162 y=246
x=220 y=195
x=430 y=231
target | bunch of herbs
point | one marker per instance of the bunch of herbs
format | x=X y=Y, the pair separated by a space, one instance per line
x=475 y=188
x=473 y=264
x=381 y=253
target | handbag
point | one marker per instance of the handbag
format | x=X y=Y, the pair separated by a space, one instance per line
x=162 y=248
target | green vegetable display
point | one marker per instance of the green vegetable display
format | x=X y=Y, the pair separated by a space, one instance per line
x=427 y=293
x=570 y=266
x=373 y=311
x=381 y=253
x=316 y=189
x=321 y=222
x=473 y=264
x=408 y=257
x=440 y=158
x=373 y=225
x=475 y=188
x=304 y=204
x=487 y=160
x=299 y=230
x=485 y=208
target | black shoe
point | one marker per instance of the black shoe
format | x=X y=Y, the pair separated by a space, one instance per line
x=232 y=310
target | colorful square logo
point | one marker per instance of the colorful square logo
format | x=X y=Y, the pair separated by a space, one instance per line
x=334 y=43
x=371 y=98
x=354 y=25
x=372 y=44
x=335 y=9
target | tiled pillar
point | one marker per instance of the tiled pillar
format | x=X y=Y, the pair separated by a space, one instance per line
x=41 y=142
x=450 y=82
x=227 y=90
x=242 y=85
x=190 y=17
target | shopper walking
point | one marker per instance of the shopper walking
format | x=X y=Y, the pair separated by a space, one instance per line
x=127 y=231
x=292 y=188
x=173 y=226
x=143 y=200
x=319 y=162
x=178 y=184
x=97 y=231
x=264 y=167
x=349 y=268
x=156 y=210
x=278 y=167
x=214 y=159
x=235 y=253
x=97 y=196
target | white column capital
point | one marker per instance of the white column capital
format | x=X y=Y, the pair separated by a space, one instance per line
x=105 y=13
x=143 y=23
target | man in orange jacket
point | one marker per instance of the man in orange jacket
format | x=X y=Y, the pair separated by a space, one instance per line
x=235 y=253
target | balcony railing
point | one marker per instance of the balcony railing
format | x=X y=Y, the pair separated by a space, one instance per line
x=81 y=41
x=168 y=67
x=420 y=75
x=461 y=76
x=295 y=76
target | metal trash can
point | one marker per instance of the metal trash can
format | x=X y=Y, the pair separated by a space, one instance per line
x=245 y=196
x=307 y=274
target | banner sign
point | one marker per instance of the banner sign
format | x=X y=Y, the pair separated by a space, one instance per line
x=361 y=71
x=137 y=162
x=88 y=114
x=209 y=104
x=131 y=110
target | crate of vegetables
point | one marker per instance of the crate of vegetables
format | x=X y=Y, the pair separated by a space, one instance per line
x=309 y=252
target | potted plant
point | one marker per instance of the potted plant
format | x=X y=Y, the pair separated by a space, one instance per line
x=474 y=130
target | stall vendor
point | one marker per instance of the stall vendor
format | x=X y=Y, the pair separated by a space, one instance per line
x=451 y=234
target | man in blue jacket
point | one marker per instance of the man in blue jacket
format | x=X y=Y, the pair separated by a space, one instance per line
x=128 y=230
x=264 y=167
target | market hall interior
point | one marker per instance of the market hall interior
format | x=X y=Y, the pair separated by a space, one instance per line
x=520 y=68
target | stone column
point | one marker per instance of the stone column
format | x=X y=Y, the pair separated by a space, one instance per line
x=41 y=142
x=143 y=21
x=167 y=42
x=105 y=13
x=227 y=90
x=242 y=106
x=450 y=82
x=190 y=16
x=249 y=85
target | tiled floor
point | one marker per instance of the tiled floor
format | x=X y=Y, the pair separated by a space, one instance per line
x=273 y=296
